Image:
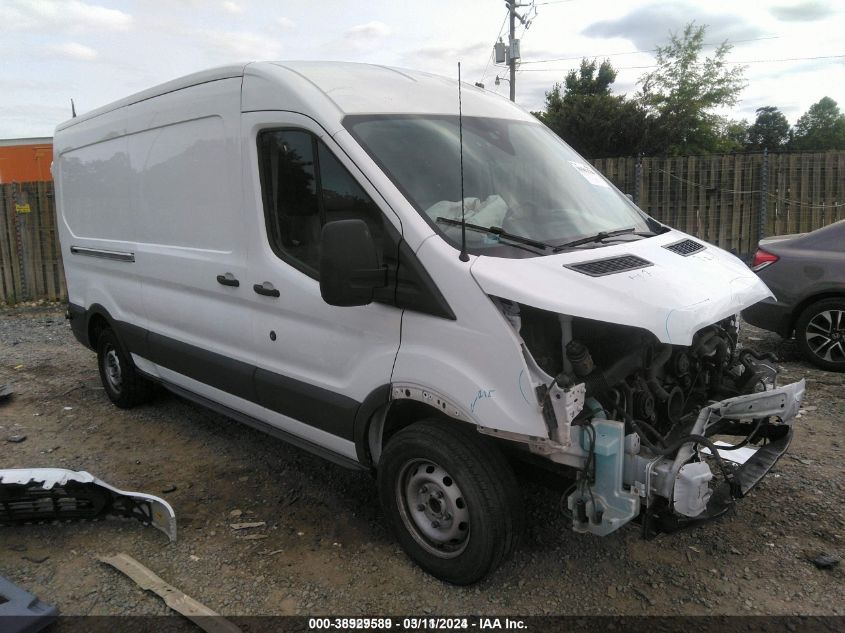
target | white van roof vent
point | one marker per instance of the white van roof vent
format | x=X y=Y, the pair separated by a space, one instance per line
x=610 y=265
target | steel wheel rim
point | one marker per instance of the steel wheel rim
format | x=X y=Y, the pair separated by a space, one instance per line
x=825 y=335
x=433 y=508
x=113 y=371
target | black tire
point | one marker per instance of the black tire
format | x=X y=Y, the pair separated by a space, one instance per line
x=477 y=488
x=124 y=386
x=820 y=333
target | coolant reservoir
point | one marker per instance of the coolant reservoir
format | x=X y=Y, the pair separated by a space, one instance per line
x=692 y=489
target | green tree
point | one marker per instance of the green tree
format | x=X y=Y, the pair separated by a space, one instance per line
x=732 y=136
x=590 y=80
x=593 y=121
x=769 y=131
x=682 y=93
x=821 y=127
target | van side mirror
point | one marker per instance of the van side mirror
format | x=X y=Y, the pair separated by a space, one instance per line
x=349 y=268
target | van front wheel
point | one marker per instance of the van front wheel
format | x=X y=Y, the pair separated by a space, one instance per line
x=121 y=381
x=451 y=499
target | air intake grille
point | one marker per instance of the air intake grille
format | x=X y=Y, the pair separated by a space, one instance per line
x=610 y=265
x=685 y=247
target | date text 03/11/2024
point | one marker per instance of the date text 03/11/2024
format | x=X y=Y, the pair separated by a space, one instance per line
x=414 y=624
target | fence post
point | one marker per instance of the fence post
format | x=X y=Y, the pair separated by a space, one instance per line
x=764 y=197
x=19 y=196
x=638 y=174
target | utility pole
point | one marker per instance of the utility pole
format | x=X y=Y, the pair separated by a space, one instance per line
x=510 y=54
x=511 y=40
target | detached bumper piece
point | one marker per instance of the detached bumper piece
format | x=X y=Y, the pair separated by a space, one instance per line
x=21 y=612
x=43 y=495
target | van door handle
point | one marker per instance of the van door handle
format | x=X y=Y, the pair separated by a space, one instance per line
x=228 y=280
x=266 y=289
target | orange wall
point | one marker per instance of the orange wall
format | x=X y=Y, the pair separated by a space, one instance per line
x=25 y=163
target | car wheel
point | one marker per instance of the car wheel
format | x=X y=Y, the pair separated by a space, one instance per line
x=124 y=386
x=451 y=498
x=820 y=332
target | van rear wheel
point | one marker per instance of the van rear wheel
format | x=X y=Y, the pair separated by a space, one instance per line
x=451 y=498
x=124 y=386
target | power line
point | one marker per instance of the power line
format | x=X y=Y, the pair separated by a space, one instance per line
x=797 y=203
x=498 y=35
x=653 y=50
x=750 y=61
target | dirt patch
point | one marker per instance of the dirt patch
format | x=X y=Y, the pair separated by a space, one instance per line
x=326 y=549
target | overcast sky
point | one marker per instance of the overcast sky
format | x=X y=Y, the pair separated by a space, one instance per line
x=97 y=51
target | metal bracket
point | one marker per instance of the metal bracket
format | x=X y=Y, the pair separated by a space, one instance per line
x=409 y=391
x=566 y=403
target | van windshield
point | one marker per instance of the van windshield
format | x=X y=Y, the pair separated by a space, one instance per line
x=519 y=177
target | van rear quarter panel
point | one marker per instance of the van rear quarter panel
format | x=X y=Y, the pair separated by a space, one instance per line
x=92 y=174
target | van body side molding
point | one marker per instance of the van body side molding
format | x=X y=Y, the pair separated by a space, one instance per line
x=316 y=406
x=100 y=253
x=262 y=426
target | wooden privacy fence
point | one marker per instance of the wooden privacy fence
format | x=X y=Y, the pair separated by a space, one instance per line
x=734 y=200
x=30 y=258
x=731 y=200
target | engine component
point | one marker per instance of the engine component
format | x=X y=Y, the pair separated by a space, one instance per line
x=673 y=407
x=643 y=405
x=579 y=356
x=692 y=489
x=680 y=363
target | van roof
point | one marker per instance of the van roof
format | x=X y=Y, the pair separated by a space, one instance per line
x=204 y=76
x=352 y=88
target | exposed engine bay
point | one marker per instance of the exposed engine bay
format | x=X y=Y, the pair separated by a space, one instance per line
x=643 y=421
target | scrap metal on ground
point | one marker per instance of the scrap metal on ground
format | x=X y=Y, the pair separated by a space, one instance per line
x=22 y=612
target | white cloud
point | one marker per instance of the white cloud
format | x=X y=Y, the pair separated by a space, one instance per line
x=364 y=35
x=229 y=46
x=72 y=16
x=31 y=119
x=444 y=54
x=650 y=25
x=808 y=11
x=286 y=23
x=73 y=50
x=232 y=7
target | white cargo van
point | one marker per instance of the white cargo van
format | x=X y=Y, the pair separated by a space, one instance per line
x=282 y=242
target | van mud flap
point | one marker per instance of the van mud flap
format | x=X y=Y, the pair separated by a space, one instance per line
x=43 y=495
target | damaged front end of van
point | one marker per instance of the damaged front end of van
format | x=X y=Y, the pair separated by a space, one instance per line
x=643 y=385
x=626 y=331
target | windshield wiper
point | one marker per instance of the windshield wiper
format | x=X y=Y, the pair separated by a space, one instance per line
x=498 y=231
x=601 y=236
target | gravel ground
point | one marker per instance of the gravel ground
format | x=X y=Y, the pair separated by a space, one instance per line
x=324 y=548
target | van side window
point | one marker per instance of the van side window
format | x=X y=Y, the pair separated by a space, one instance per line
x=304 y=186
